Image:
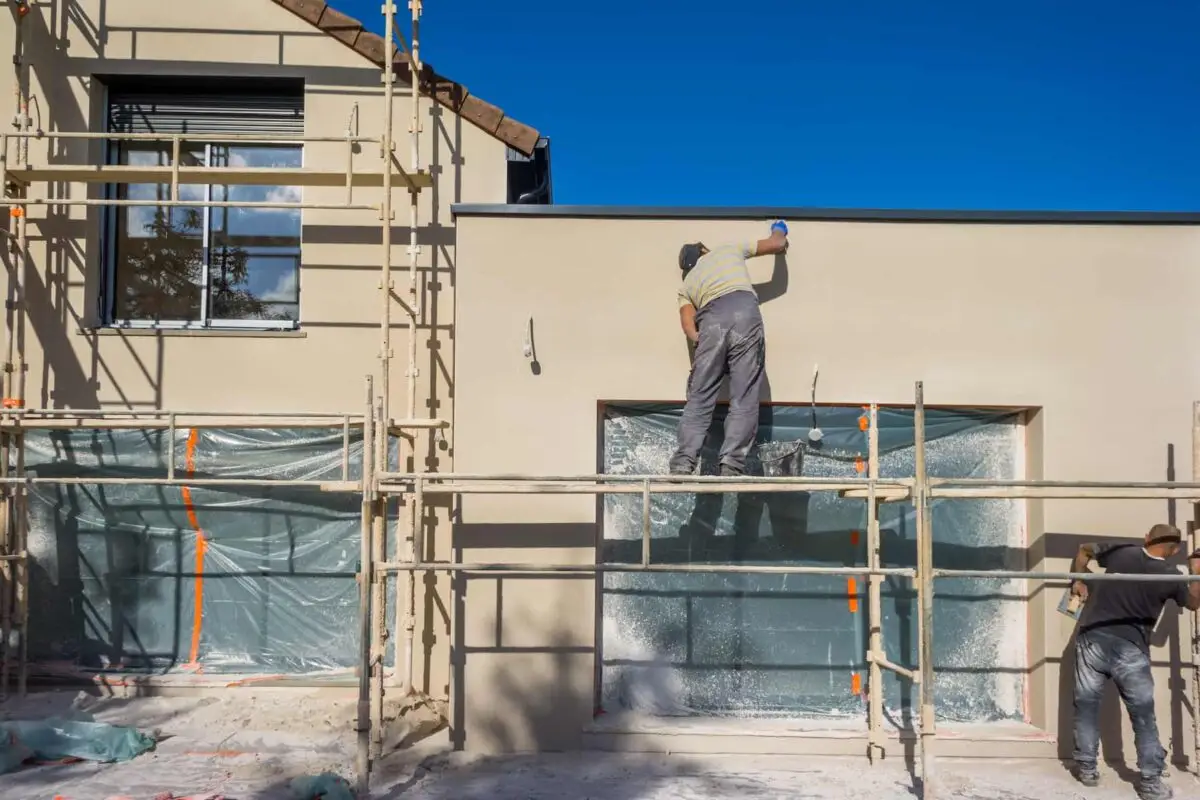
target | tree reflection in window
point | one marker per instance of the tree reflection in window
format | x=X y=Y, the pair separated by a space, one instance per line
x=217 y=266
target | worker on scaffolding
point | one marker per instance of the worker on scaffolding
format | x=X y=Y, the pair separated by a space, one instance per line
x=718 y=310
x=1113 y=643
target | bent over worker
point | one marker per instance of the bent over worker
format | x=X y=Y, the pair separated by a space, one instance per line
x=718 y=310
x=1114 y=644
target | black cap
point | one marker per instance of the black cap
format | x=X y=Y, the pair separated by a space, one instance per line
x=689 y=254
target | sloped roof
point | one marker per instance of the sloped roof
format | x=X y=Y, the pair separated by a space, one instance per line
x=445 y=92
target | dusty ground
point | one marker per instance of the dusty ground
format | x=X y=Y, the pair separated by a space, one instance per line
x=247 y=745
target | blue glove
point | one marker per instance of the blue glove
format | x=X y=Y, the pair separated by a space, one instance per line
x=779 y=225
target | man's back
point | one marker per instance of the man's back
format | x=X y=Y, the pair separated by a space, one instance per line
x=719 y=272
x=1130 y=609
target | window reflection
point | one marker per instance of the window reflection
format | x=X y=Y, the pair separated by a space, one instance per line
x=159 y=270
x=216 y=265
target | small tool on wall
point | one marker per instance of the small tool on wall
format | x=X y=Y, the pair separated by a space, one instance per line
x=530 y=350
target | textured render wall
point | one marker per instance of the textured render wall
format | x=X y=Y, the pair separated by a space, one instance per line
x=320 y=368
x=1089 y=324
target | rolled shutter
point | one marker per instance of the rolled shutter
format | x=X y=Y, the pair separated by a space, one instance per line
x=157 y=112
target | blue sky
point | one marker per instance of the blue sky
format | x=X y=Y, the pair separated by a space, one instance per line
x=1047 y=104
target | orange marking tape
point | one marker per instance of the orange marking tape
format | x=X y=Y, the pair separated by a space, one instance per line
x=852 y=595
x=856 y=684
x=859 y=465
x=864 y=423
x=854 y=538
x=201 y=550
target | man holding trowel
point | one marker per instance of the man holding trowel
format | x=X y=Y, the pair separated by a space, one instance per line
x=1113 y=643
x=718 y=310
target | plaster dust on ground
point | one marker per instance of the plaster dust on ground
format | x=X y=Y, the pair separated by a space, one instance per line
x=247 y=744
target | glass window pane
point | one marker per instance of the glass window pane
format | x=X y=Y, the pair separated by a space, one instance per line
x=255 y=252
x=159 y=250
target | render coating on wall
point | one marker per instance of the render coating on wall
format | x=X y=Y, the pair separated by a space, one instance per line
x=686 y=644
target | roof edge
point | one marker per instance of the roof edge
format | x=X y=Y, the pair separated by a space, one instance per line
x=830 y=214
x=446 y=92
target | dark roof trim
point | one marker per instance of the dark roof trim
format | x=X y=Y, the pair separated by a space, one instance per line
x=832 y=214
x=454 y=96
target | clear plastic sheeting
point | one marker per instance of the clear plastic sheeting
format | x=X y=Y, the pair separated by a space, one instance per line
x=231 y=580
x=794 y=645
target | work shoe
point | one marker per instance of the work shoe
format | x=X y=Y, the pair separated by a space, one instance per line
x=1154 y=789
x=728 y=471
x=1088 y=776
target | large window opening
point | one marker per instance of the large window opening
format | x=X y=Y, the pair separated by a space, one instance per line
x=196 y=266
x=696 y=644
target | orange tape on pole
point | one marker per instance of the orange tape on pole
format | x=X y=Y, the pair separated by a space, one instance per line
x=856 y=684
x=852 y=595
x=854 y=538
x=201 y=550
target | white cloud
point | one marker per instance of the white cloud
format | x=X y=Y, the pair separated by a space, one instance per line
x=284 y=290
x=284 y=194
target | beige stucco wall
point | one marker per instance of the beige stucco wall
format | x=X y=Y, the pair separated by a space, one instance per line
x=1089 y=323
x=321 y=367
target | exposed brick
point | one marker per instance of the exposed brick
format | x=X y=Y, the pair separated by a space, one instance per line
x=341 y=27
x=308 y=10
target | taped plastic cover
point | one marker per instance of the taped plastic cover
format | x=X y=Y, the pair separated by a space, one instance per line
x=696 y=644
x=228 y=580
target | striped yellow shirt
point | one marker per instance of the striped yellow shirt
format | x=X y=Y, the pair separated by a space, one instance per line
x=718 y=272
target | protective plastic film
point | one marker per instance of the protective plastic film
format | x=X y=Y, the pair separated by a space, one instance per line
x=684 y=644
x=119 y=572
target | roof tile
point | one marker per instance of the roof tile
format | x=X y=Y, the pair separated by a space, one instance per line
x=454 y=96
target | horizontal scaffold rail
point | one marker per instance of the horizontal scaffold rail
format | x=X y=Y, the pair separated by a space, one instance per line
x=344 y=487
x=587 y=569
x=204 y=176
x=480 y=483
x=885 y=489
x=68 y=419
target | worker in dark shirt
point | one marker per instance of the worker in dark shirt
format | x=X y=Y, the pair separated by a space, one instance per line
x=1114 y=644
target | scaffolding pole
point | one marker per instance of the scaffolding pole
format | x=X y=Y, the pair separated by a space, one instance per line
x=924 y=598
x=366 y=579
x=1193 y=545
x=415 y=507
x=875 y=654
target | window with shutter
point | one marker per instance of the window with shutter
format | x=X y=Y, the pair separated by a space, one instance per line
x=179 y=265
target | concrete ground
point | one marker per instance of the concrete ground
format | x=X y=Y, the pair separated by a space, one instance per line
x=248 y=745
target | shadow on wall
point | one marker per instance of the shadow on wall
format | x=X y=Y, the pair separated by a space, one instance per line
x=130 y=371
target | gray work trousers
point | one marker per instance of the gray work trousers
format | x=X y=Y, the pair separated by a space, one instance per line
x=731 y=343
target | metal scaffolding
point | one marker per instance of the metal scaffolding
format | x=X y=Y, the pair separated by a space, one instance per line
x=381 y=484
x=919 y=490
